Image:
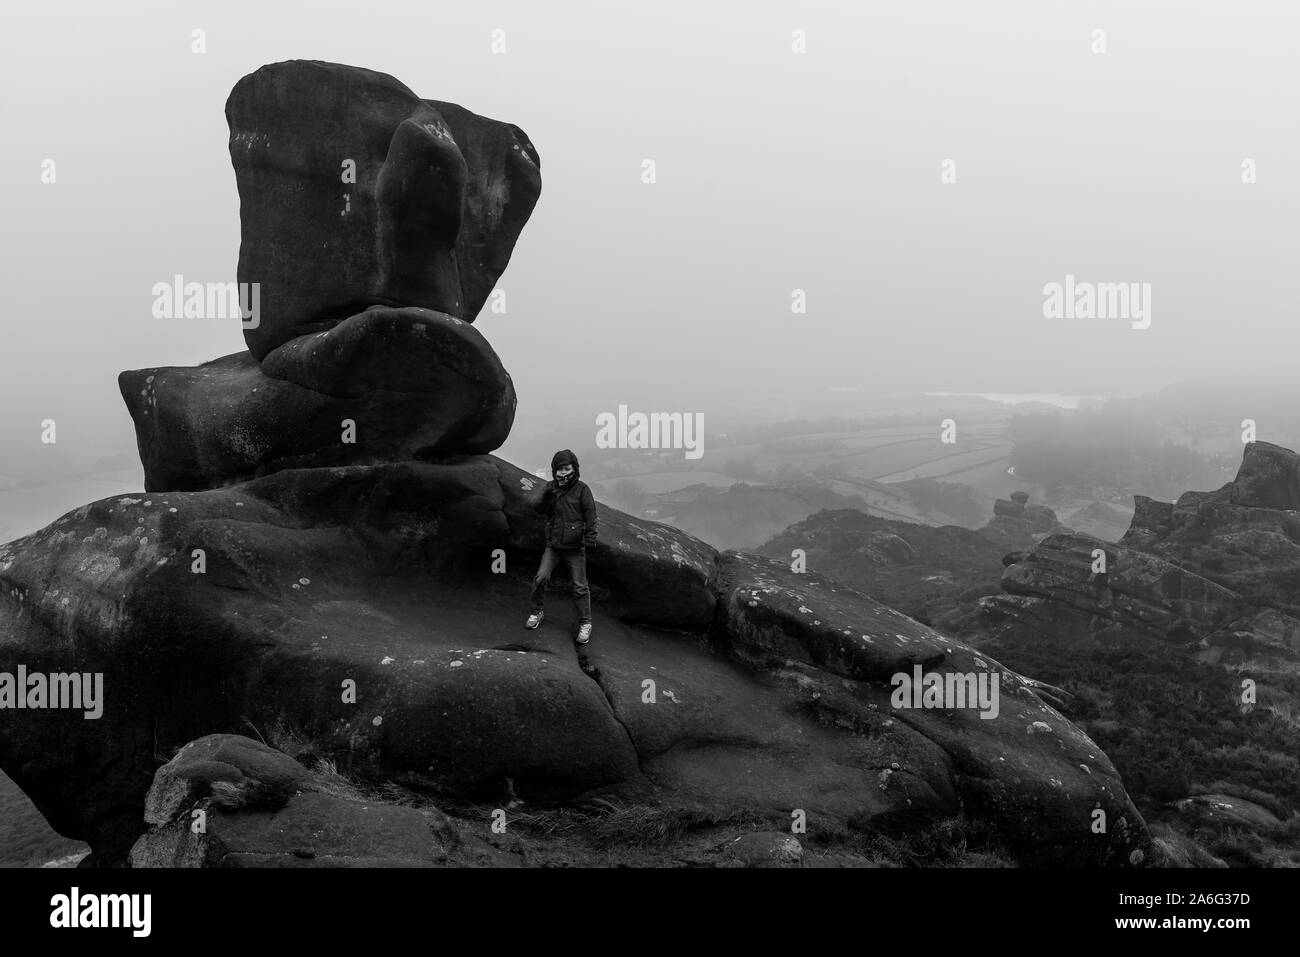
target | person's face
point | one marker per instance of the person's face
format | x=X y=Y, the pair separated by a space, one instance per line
x=563 y=472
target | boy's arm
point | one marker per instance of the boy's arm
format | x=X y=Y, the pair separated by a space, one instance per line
x=543 y=505
x=588 y=517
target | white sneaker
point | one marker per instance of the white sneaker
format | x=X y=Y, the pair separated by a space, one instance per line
x=534 y=620
x=584 y=633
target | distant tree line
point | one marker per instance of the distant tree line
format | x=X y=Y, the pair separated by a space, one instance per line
x=951 y=498
x=1110 y=448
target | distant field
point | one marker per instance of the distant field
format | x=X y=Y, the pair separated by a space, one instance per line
x=656 y=482
x=885 y=460
x=991 y=479
x=865 y=454
x=861 y=462
x=954 y=466
x=886 y=504
x=30 y=508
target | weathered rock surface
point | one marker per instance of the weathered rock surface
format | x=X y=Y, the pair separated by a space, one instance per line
x=237 y=772
x=1026 y=768
x=1052 y=590
x=228 y=801
x=413 y=383
x=438 y=200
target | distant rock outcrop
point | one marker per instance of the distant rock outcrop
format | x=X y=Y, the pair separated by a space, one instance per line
x=1018 y=524
x=326 y=554
x=1215 y=572
x=1244 y=536
x=922 y=570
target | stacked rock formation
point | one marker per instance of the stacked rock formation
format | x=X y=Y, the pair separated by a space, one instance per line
x=343 y=597
x=375 y=225
x=1018 y=524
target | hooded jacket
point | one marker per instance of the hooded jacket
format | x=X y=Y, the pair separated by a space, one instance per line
x=569 y=511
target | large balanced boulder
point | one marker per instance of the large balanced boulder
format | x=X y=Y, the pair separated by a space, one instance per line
x=383 y=385
x=355 y=192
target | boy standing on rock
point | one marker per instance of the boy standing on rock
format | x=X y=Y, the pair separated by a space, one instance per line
x=569 y=511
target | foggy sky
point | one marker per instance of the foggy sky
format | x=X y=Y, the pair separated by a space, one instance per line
x=776 y=171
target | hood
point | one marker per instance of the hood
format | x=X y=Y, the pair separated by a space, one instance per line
x=565 y=457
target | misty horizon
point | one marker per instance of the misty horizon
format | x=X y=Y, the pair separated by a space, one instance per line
x=821 y=172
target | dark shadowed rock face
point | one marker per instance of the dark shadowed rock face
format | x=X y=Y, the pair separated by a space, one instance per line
x=439 y=199
x=414 y=383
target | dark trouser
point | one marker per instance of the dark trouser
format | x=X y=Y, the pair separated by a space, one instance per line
x=576 y=560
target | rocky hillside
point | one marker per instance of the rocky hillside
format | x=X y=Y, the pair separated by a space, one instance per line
x=327 y=555
x=1215 y=573
x=1177 y=646
x=922 y=570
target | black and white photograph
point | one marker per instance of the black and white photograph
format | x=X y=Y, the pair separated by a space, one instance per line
x=629 y=439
